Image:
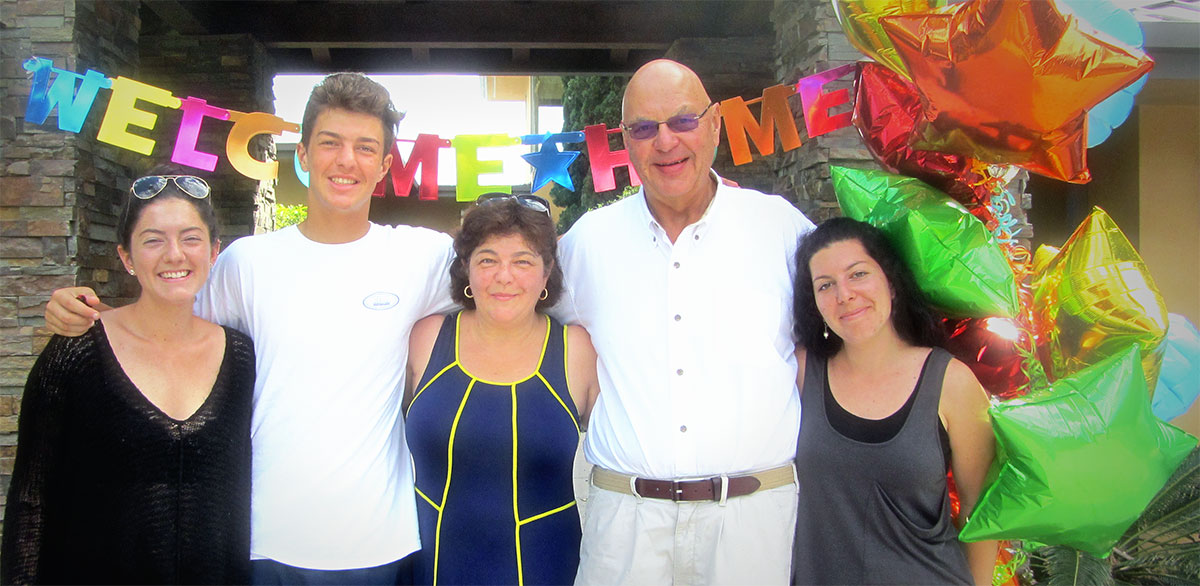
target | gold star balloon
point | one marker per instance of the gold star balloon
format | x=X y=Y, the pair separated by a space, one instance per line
x=1010 y=81
x=860 y=22
x=1094 y=299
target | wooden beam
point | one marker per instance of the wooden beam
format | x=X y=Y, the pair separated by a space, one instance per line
x=177 y=16
x=322 y=57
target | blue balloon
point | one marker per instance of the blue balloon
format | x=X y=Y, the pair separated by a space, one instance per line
x=301 y=174
x=1179 y=377
x=1122 y=26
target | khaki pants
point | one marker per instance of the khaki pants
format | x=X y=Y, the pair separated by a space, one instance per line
x=627 y=540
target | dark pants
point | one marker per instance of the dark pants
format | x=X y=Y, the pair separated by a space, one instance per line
x=273 y=573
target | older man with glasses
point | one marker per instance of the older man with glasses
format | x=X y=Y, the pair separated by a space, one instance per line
x=686 y=288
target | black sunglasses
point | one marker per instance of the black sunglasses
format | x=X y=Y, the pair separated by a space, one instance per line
x=532 y=202
x=647 y=129
x=151 y=185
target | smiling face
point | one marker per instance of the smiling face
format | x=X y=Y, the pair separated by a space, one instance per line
x=673 y=166
x=345 y=158
x=170 y=251
x=507 y=276
x=851 y=291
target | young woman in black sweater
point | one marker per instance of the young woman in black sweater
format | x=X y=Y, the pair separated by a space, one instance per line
x=133 y=457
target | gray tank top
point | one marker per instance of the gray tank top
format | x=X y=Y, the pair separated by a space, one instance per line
x=875 y=513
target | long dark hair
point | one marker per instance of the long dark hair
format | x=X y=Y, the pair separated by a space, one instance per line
x=914 y=319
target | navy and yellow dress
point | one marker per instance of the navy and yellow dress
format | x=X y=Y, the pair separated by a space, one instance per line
x=493 y=461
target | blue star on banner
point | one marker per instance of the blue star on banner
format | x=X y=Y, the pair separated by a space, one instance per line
x=549 y=163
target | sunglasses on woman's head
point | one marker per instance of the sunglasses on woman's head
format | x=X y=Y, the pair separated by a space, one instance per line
x=152 y=185
x=532 y=202
x=647 y=129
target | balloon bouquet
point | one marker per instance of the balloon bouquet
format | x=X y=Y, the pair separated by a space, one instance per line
x=1069 y=342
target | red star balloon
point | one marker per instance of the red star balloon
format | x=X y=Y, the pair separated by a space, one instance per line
x=995 y=349
x=1010 y=81
x=887 y=108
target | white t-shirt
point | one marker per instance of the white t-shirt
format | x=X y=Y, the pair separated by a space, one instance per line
x=332 y=485
x=697 y=372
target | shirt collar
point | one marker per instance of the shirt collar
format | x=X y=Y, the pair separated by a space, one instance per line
x=701 y=225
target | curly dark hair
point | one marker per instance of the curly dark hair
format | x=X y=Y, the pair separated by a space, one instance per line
x=502 y=217
x=353 y=92
x=914 y=319
x=133 y=208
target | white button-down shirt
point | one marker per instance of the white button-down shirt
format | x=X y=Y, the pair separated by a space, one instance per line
x=697 y=372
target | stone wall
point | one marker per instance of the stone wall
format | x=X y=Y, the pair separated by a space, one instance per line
x=808 y=39
x=59 y=191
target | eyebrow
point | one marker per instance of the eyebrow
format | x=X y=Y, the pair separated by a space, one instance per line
x=331 y=134
x=518 y=253
x=157 y=231
x=848 y=267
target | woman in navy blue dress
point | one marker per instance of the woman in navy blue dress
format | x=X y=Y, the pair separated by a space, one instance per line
x=498 y=394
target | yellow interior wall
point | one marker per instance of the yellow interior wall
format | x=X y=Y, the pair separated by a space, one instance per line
x=1169 y=184
x=1169 y=206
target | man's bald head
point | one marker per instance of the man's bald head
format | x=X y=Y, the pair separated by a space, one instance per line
x=663 y=76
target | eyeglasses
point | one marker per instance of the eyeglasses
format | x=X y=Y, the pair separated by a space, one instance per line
x=532 y=202
x=152 y=185
x=647 y=129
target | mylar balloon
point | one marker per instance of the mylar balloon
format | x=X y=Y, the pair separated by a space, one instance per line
x=1081 y=460
x=995 y=349
x=860 y=21
x=1010 y=81
x=1179 y=379
x=1109 y=19
x=887 y=108
x=954 y=258
x=1094 y=299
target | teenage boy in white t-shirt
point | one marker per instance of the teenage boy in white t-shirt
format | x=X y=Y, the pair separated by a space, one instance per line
x=329 y=304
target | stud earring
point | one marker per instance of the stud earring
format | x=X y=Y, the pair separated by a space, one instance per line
x=131 y=272
x=467 y=292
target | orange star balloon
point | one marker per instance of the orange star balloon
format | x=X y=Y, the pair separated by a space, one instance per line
x=1010 y=81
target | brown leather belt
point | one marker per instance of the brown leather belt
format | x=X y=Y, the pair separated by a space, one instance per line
x=716 y=488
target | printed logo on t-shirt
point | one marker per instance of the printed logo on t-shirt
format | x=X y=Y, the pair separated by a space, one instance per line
x=380 y=301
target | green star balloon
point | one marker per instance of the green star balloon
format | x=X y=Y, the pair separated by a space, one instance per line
x=1079 y=462
x=955 y=259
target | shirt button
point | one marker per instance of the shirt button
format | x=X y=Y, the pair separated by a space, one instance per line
x=683 y=429
x=677 y=317
x=679 y=372
x=676 y=265
x=697 y=236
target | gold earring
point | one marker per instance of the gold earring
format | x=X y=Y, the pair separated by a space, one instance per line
x=131 y=272
x=467 y=292
x=544 y=295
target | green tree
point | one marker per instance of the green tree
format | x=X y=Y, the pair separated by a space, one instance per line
x=588 y=100
x=287 y=215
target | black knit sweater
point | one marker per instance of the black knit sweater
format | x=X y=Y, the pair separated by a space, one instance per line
x=109 y=489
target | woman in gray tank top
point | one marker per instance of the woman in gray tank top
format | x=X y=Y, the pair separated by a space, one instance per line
x=885 y=415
